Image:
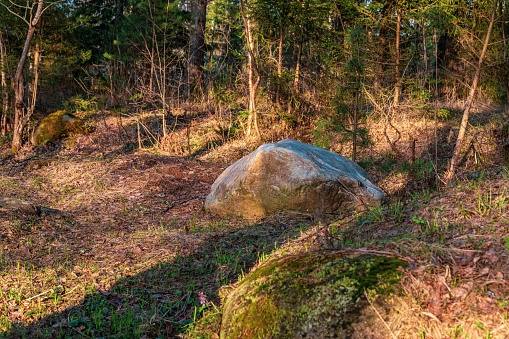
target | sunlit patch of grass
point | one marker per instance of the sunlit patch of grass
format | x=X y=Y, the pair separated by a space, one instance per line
x=490 y=203
x=395 y=211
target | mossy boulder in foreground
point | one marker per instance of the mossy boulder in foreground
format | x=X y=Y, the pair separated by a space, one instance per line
x=55 y=126
x=314 y=296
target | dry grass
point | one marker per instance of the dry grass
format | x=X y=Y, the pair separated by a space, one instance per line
x=132 y=247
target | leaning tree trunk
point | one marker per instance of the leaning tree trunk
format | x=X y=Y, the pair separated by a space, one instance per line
x=253 y=72
x=5 y=93
x=197 y=52
x=468 y=104
x=20 y=118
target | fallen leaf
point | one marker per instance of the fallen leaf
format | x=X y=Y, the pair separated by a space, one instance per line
x=485 y=271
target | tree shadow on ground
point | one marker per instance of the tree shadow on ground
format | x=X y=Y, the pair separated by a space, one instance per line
x=108 y=295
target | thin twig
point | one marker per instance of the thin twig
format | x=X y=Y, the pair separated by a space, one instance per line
x=38 y=295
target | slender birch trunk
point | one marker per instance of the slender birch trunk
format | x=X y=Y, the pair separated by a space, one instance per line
x=280 y=63
x=33 y=99
x=468 y=104
x=297 y=67
x=397 y=86
x=253 y=73
x=20 y=118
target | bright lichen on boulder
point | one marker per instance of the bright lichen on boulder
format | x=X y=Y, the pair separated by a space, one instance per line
x=55 y=126
x=312 y=296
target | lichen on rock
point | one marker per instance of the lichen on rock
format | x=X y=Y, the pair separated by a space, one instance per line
x=311 y=296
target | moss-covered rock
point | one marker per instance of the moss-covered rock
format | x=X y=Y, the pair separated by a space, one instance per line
x=55 y=126
x=313 y=296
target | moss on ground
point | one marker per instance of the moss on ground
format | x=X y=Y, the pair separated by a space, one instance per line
x=311 y=295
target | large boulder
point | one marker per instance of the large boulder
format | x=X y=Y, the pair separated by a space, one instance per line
x=315 y=295
x=290 y=175
x=55 y=126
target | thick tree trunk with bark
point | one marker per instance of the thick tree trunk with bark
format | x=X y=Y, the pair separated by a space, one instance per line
x=20 y=118
x=197 y=48
x=459 y=142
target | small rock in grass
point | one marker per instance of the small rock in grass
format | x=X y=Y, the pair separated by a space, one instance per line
x=18 y=205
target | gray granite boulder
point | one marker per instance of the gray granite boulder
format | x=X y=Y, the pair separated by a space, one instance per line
x=290 y=175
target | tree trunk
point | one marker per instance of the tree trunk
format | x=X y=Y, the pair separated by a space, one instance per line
x=20 y=118
x=355 y=125
x=425 y=52
x=468 y=104
x=381 y=57
x=280 y=64
x=397 y=85
x=33 y=99
x=252 y=119
x=506 y=82
x=197 y=52
x=5 y=93
x=297 y=67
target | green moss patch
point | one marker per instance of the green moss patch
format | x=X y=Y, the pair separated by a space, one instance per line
x=311 y=295
x=56 y=126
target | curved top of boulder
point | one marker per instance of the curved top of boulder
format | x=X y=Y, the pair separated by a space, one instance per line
x=290 y=175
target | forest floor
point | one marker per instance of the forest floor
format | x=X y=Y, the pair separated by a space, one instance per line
x=124 y=247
